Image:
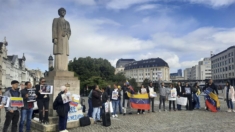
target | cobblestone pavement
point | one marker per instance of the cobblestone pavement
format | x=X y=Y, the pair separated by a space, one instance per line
x=179 y=121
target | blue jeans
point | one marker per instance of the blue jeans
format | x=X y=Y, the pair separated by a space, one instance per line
x=229 y=103
x=196 y=99
x=90 y=110
x=25 y=113
x=115 y=106
x=96 y=113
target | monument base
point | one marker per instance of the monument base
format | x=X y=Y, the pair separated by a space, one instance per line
x=53 y=125
x=58 y=79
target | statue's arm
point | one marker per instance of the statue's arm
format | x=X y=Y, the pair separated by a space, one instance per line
x=69 y=30
x=54 y=30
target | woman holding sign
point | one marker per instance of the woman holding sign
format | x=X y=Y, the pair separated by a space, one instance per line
x=42 y=102
x=62 y=108
x=143 y=90
x=172 y=97
x=115 y=101
x=188 y=93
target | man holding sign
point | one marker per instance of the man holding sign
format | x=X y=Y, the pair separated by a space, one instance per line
x=12 y=113
x=27 y=110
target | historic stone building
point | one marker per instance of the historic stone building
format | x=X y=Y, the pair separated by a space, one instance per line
x=13 y=67
x=120 y=65
x=152 y=69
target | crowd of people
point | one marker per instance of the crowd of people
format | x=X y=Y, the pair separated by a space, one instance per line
x=97 y=98
x=26 y=113
x=118 y=96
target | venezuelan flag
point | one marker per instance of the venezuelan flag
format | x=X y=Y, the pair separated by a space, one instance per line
x=212 y=101
x=139 y=101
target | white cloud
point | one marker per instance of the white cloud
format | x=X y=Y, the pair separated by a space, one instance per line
x=146 y=7
x=84 y=2
x=124 y=4
x=213 y=3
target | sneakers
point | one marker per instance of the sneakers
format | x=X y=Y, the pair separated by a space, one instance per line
x=138 y=113
x=113 y=116
x=233 y=110
x=143 y=112
x=229 y=110
x=165 y=110
x=116 y=115
x=66 y=130
x=124 y=114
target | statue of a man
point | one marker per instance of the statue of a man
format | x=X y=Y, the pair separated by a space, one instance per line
x=60 y=37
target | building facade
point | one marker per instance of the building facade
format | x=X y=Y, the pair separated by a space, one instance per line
x=187 y=73
x=120 y=65
x=152 y=69
x=179 y=72
x=202 y=71
x=223 y=65
x=12 y=68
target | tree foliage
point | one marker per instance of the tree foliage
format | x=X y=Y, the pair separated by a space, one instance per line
x=88 y=67
x=134 y=84
x=146 y=82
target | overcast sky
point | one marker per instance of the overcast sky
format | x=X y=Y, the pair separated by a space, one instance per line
x=181 y=32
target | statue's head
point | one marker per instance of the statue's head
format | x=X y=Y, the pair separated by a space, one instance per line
x=62 y=12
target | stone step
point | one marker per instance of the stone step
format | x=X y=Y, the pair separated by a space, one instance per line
x=54 y=127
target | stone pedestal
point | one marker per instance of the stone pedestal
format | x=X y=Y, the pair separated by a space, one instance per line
x=58 y=79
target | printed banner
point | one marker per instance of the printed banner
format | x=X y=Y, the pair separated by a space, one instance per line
x=46 y=89
x=4 y=100
x=75 y=112
x=31 y=95
x=187 y=90
x=114 y=95
x=153 y=94
x=16 y=102
x=66 y=97
x=182 y=101
x=173 y=93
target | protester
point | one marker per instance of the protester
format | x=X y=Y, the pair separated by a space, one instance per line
x=151 y=89
x=115 y=93
x=172 y=97
x=196 y=93
x=22 y=86
x=12 y=113
x=229 y=96
x=179 y=94
x=125 y=89
x=188 y=93
x=108 y=90
x=42 y=102
x=143 y=90
x=96 y=103
x=105 y=98
x=120 y=100
x=27 y=110
x=90 y=110
x=62 y=109
x=162 y=98
x=212 y=86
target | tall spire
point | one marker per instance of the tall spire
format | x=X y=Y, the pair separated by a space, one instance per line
x=24 y=57
x=5 y=41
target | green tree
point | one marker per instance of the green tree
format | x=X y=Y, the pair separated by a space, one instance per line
x=133 y=83
x=146 y=82
x=119 y=78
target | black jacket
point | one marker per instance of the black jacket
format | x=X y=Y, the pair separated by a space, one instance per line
x=105 y=97
x=96 y=98
x=125 y=90
x=39 y=95
x=61 y=108
x=214 y=88
x=23 y=93
x=178 y=90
